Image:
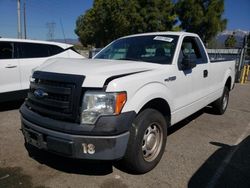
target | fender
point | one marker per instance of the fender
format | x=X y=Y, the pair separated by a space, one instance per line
x=228 y=74
x=145 y=94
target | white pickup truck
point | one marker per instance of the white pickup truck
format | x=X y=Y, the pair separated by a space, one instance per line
x=119 y=105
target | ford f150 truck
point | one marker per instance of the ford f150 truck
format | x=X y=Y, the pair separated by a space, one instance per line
x=119 y=105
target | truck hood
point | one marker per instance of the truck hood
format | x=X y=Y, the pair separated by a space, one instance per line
x=96 y=71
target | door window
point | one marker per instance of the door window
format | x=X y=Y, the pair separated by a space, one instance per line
x=31 y=50
x=191 y=48
x=6 y=50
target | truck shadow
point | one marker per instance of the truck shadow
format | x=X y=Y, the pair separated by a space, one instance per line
x=186 y=121
x=11 y=105
x=229 y=166
x=68 y=165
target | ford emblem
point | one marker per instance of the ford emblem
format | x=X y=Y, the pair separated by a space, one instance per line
x=40 y=93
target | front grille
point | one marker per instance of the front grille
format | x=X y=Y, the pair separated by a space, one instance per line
x=56 y=95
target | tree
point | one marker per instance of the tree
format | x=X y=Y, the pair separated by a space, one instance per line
x=230 y=42
x=101 y=24
x=111 y=19
x=203 y=17
x=214 y=44
x=151 y=15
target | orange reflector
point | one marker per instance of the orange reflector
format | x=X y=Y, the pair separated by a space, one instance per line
x=120 y=101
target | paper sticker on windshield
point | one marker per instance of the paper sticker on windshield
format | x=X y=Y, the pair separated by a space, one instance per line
x=166 y=39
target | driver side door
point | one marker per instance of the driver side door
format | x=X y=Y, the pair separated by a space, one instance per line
x=191 y=83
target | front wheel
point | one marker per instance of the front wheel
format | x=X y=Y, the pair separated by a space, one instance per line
x=147 y=142
x=220 y=105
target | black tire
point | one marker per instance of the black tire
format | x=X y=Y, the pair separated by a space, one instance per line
x=148 y=134
x=220 y=105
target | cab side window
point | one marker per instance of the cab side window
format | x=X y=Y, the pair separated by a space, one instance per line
x=6 y=50
x=192 y=49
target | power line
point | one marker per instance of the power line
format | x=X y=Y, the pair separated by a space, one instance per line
x=51 y=30
x=63 y=31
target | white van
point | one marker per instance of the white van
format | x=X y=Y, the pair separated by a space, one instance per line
x=17 y=59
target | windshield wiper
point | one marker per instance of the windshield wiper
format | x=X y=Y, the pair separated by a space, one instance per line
x=128 y=58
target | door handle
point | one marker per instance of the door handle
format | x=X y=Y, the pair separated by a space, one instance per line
x=11 y=66
x=205 y=73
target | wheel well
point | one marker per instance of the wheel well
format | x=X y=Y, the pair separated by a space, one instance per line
x=228 y=83
x=161 y=105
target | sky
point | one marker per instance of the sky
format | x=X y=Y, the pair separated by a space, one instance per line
x=40 y=12
x=65 y=12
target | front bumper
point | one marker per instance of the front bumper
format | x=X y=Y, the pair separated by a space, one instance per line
x=75 y=146
x=80 y=146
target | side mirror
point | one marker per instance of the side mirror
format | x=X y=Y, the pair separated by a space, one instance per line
x=187 y=63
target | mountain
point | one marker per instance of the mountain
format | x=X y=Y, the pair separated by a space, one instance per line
x=68 y=41
x=238 y=33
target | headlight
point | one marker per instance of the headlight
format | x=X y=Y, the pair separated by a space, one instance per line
x=97 y=103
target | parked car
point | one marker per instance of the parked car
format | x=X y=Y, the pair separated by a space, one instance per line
x=18 y=57
x=119 y=105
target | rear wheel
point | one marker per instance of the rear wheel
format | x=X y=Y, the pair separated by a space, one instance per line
x=220 y=105
x=147 y=142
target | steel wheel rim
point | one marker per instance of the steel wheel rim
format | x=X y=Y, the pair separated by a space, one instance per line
x=152 y=142
x=225 y=101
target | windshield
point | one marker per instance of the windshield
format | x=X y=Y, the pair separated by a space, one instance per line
x=150 y=48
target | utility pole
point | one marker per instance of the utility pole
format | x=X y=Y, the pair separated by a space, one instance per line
x=19 y=31
x=24 y=19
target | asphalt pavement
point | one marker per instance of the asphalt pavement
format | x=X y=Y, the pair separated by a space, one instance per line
x=204 y=150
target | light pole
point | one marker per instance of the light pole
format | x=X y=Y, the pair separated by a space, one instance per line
x=24 y=19
x=19 y=31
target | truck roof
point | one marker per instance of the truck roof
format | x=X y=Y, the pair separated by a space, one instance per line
x=62 y=45
x=177 y=33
